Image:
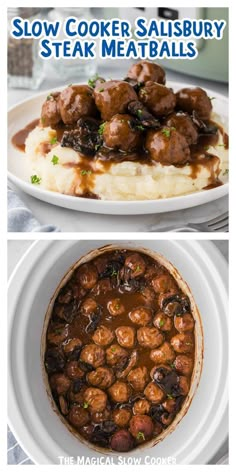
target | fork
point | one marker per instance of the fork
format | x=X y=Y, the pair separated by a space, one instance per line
x=218 y=224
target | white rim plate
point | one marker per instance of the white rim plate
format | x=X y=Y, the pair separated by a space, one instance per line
x=37 y=427
x=26 y=111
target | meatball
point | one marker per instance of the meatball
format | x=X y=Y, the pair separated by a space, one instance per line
x=136 y=264
x=72 y=346
x=57 y=333
x=163 y=322
x=148 y=295
x=125 y=336
x=163 y=354
x=184 y=125
x=184 y=385
x=102 y=377
x=153 y=393
x=88 y=306
x=159 y=99
x=141 y=427
x=121 y=416
x=122 y=441
x=50 y=114
x=101 y=416
x=76 y=101
x=119 y=392
x=183 y=364
x=120 y=133
x=163 y=283
x=189 y=99
x=113 y=97
x=169 y=404
x=95 y=399
x=167 y=146
x=60 y=383
x=149 y=337
x=73 y=370
x=138 y=378
x=184 y=323
x=182 y=343
x=103 y=336
x=93 y=355
x=78 y=416
x=141 y=315
x=87 y=276
x=116 y=355
x=141 y=407
x=103 y=286
x=115 y=307
x=145 y=71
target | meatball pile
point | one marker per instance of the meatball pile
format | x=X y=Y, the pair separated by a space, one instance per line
x=139 y=114
x=120 y=349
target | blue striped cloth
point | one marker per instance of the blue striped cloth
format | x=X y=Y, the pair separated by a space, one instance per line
x=21 y=219
x=15 y=455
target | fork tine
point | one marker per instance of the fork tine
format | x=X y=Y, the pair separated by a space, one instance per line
x=224 y=228
x=218 y=224
x=218 y=219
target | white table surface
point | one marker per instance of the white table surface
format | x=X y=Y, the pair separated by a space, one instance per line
x=16 y=250
x=74 y=221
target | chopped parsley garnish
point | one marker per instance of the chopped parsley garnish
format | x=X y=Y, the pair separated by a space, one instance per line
x=43 y=119
x=55 y=160
x=49 y=96
x=169 y=396
x=140 y=127
x=86 y=172
x=114 y=272
x=137 y=268
x=161 y=323
x=221 y=145
x=85 y=405
x=101 y=128
x=69 y=85
x=167 y=131
x=101 y=90
x=226 y=172
x=117 y=307
x=212 y=98
x=139 y=112
x=140 y=435
x=53 y=140
x=113 y=349
x=35 y=179
x=172 y=365
x=206 y=148
x=58 y=330
x=92 y=81
x=97 y=146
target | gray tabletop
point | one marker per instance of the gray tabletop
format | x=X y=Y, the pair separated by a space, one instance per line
x=16 y=455
x=70 y=220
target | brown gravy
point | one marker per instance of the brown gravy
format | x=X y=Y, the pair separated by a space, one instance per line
x=199 y=156
x=112 y=279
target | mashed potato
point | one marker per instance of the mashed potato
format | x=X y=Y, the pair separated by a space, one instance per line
x=67 y=171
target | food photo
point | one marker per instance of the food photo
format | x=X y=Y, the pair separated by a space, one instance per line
x=111 y=346
x=143 y=139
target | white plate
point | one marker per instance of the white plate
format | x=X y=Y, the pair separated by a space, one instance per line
x=38 y=429
x=28 y=110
